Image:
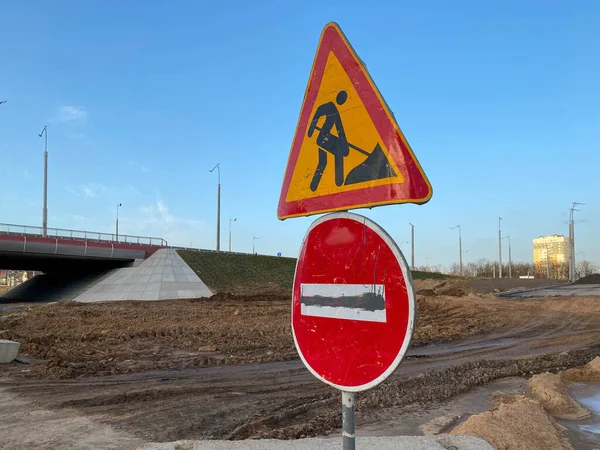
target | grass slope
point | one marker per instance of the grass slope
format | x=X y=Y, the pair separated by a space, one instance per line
x=252 y=274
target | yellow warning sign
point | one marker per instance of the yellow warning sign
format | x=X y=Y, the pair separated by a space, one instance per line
x=348 y=151
x=342 y=150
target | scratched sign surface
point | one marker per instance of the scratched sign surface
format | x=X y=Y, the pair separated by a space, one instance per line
x=353 y=307
x=348 y=151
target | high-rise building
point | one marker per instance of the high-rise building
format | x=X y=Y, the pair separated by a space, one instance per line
x=553 y=250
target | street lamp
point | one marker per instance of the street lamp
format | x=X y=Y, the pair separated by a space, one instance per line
x=45 y=210
x=460 y=252
x=499 y=247
x=117 y=223
x=218 y=167
x=509 y=257
x=412 y=246
x=572 y=240
x=230 y=222
x=254 y=245
x=427 y=258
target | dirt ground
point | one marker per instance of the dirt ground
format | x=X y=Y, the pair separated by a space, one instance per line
x=226 y=368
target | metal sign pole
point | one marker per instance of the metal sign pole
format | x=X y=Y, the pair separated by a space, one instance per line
x=348 y=438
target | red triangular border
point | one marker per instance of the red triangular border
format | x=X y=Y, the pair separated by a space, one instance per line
x=415 y=188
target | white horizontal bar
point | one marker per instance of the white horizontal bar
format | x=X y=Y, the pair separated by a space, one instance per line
x=340 y=312
x=340 y=290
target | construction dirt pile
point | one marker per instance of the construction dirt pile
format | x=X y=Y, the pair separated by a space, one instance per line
x=590 y=373
x=518 y=423
x=83 y=339
x=450 y=287
x=590 y=279
x=551 y=391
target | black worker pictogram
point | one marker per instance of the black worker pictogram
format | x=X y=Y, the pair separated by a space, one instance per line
x=376 y=165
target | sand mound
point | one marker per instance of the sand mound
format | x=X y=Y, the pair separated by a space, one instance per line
x=518 y=423
x=590 y=373
x=453 y=288
x=550 y=390
x=590 y=279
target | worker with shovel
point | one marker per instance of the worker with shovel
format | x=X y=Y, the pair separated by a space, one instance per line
x=327 y=142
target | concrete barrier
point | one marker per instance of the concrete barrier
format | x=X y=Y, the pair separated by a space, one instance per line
x=8 y=350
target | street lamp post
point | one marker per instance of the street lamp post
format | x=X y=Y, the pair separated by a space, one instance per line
x=45 y=210
x=230 y=222
x=117 y=223
x=412 y=246
x=427 y=258
x=460 y=252
x=254 y=244
x=218 y=167
x=509 y=257
x=499 y=248
x=572 y=240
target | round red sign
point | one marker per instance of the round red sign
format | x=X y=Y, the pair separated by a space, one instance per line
x=353 y=307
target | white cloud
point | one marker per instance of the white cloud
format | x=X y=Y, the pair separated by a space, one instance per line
x=69 y=113
x=92 y=189
x=157 y=220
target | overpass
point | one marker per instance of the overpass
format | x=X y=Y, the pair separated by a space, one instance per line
x=24 y=247
x=87 y=266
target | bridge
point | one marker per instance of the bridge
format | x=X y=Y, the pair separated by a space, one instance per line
x=24 y=247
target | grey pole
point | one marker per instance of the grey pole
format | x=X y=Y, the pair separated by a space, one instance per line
x=499 y=248
x=412 y=246
x=459 y=248
x=230 y=221
x=45 y=210
x=348 y=437
x=253 y=244
x=509 y=257
x=218 y=167
x=572 y=240
x=117 y=223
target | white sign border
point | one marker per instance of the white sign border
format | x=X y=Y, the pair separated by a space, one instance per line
x=410 y=290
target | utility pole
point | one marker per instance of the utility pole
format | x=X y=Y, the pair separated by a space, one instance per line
x=412 y=246
x=45 y=210
x=230 y=222
x=218 y=167
x=254 y=245
x=572 y=240
x=117 y=222
x=499 y=248
x=460 y=252
x=509 y=257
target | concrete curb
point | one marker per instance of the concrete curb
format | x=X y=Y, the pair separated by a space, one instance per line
x=445 y=442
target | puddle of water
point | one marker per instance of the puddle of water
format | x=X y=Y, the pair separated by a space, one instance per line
x=587 y=431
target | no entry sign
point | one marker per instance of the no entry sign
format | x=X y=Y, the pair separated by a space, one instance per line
x=353 y=307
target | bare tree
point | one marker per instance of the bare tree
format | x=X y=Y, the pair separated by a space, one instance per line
x=585 y=268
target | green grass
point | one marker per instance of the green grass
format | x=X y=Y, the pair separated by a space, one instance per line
x=253 y=274
x=230 y=272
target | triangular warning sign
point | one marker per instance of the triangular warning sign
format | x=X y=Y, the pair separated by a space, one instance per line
x=348 y=152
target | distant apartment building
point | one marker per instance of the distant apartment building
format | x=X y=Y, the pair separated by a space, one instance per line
x=553 y=250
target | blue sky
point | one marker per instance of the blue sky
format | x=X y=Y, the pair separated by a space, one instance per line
x=499 y=100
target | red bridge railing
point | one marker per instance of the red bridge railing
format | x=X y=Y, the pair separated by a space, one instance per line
x=79 y=235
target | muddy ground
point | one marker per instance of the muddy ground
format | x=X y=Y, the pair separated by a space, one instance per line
x=226 y=367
